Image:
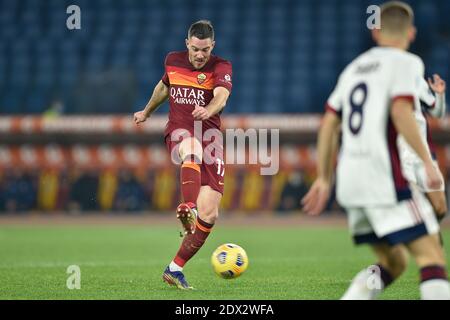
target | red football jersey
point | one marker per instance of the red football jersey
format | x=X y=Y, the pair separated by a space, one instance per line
x=189 y=87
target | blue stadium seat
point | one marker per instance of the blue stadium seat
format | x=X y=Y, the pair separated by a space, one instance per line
x=11 y=101
x=304 y=43
x=36 y=103
x=426 y=16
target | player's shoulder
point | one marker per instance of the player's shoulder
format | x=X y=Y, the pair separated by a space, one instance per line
x=219 y=61
x=408 y=58
x=354 y=64
x=403 y=59
x=176 y=57
x=394 y=59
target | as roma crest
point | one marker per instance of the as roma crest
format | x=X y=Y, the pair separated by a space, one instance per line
x=201 y=78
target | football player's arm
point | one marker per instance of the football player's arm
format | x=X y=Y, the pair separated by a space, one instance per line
x=406 y=125
x=160 y=94
x=327 y=145
x=440 y=107
x=316 y=199
x=335 y=144
x=438 y=86
x=216 y=104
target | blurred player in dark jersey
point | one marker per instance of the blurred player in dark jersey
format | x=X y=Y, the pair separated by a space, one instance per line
x=197 y=85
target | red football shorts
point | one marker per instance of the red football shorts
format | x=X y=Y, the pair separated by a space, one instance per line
x=212 y=167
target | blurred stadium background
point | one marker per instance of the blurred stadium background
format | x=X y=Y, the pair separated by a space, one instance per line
x=67 y=141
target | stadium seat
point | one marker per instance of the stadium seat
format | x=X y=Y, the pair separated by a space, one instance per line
x=134 y=36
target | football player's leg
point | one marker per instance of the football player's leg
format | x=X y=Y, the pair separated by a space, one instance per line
x=191 y=154
x=208 y=210
x=437 y=198
x=393 y=259
x=208 y=206
x=370 y=282
x=415 y=173
x=190 y=151
x=439 y=203
x=427 y=252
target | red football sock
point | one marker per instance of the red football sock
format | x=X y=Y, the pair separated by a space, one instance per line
x=190 y=181
x=193 y=242
x=433 y=272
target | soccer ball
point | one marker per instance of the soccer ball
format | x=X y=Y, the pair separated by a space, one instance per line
x=229 y=261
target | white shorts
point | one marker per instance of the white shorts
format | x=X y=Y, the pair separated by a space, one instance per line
x=414 y=172
x=401 y=223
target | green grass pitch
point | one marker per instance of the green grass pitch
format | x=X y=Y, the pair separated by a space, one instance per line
x=127 y=263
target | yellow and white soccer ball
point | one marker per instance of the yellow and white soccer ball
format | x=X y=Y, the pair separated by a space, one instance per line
x=229 y=261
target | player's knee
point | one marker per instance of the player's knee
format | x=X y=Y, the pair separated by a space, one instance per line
x=439 y=204
x=441 y=207
x=191 y=158
x=208 y=212
x=191 y=147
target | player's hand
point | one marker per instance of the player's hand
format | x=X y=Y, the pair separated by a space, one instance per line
x=433 y=177
x=140 y=117
x=315 y=200
x=200 y=113
x=437 y=84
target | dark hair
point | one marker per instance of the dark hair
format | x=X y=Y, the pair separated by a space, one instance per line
x=201 y=29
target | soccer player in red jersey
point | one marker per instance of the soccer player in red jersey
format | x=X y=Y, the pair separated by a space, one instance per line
x=197 y=85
